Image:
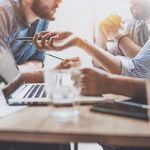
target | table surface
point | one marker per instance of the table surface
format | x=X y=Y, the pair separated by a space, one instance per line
x=35 y=124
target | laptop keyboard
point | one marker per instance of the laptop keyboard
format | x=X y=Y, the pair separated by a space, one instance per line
x=29 y=91
x=40 y=90
x=36 y=91
x=44 y=94
x=33 y=91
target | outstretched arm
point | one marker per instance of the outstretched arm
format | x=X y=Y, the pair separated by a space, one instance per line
x=107 y=60
x=61 y=40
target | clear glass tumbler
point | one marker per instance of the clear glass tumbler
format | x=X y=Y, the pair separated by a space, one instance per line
x=62 y=91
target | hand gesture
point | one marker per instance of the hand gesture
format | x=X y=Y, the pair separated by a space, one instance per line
x=55 y=40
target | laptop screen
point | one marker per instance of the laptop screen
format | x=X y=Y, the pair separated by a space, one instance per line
x=10 y=77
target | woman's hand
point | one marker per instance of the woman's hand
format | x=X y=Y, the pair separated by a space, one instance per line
x=56 y=41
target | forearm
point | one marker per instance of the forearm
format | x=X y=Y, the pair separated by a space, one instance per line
x=107 y=60
x=34 y=77
x=129 y=47
x=126 y=86
x=31 y=72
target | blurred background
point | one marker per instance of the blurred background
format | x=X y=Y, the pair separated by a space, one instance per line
x=82 y=17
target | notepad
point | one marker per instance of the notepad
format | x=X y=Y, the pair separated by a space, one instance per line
x=5 y=109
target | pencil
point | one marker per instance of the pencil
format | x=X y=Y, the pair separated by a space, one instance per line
x=24 y=39
x=30 y=39
x=53 y=56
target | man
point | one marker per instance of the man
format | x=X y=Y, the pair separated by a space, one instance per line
x=22 y=18
x=129 y=39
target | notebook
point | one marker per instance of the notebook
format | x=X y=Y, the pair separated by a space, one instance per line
x=132 y=108
x=17 y=92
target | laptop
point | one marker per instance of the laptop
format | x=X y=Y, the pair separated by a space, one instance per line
x=17 y=92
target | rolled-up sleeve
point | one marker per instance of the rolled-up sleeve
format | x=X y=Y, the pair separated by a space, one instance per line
x=126 y=65
x=138 y=66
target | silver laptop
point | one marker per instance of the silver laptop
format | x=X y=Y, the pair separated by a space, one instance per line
x=15 y=90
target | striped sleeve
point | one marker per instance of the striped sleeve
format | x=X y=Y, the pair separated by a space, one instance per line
x=138 y=66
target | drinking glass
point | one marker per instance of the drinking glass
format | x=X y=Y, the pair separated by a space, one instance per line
x=62 y=91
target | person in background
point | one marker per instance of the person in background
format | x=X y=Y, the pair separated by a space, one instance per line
x=131 y=37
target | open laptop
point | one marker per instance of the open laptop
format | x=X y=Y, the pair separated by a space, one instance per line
x=17 y=92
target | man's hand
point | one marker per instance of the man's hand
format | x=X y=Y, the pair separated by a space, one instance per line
x=55 y=40
x=69 y=63
x=93 y=82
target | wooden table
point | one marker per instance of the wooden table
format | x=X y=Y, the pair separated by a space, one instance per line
x=35 y=124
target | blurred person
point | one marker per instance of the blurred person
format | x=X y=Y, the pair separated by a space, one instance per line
x=131 y=37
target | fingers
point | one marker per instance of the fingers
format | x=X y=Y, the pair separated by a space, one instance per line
x=41 y=40
x=88 y=86
x=90 y=92
x=54 y=40
x=86 y=71
x=76 y=62
x=37 y=39
x=50 y=42
x=69 y=63
x=44 y=41
x=75 y=59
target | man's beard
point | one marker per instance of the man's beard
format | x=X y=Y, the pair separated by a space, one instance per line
x=145 y=15
x=39 y=12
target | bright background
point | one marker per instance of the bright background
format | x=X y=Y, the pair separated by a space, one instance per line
x=81 y=17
